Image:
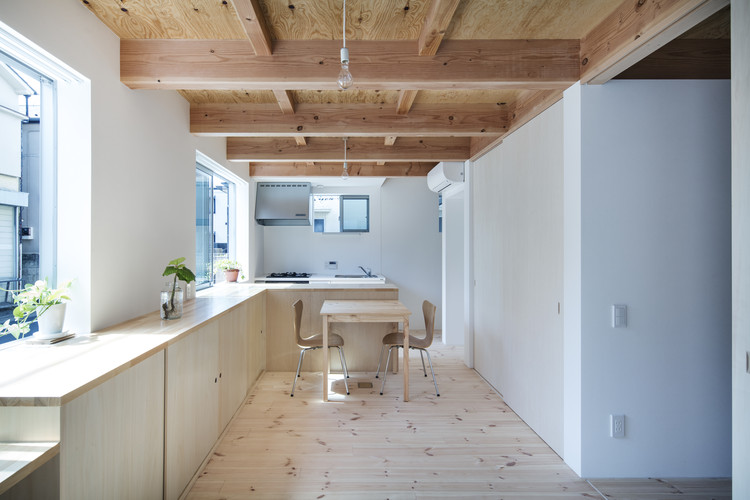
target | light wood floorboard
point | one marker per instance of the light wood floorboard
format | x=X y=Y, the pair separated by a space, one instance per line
x=467 y=443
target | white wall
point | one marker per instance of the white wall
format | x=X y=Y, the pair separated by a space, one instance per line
x=518 y=237
x=300 y=249
x=410 y=247
x=740 y=249
x=126 y=165
x=655 y=235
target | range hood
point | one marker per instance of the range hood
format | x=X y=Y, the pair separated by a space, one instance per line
x=283 y=203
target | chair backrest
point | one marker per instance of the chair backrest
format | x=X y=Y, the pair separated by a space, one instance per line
x=428 y=309
x=297 y=307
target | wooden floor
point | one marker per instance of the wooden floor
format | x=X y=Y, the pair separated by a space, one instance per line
x=465 y=444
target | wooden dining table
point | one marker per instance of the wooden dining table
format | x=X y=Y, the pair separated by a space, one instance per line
x=364 y=311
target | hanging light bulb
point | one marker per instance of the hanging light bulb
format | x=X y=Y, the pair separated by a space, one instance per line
x=345 y=77
x=345 y=173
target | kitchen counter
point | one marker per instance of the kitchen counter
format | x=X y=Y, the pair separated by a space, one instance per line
x=35 y=374
x=328 y=279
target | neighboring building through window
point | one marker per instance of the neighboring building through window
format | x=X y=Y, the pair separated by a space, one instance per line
x=215 y=201
x=27 y=183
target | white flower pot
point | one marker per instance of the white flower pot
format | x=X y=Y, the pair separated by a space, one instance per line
x=51 y=322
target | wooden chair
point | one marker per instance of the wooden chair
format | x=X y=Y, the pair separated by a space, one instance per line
x=315 y=342
x=395 y=340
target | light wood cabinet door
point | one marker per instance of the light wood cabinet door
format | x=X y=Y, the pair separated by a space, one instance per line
x=233 y=338
x=192 y=406
x=112 y=437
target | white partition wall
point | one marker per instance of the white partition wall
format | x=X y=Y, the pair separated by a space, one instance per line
x=740 y=248
x=517 y=208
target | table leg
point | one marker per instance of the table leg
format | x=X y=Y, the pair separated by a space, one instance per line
x=325 y=358
x=406 y=359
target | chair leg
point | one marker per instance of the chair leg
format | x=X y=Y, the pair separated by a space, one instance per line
x=387 y=364
x=433 y=373
x=422 y=356
x=343 y=365
x=299 y=365
x=380 y=360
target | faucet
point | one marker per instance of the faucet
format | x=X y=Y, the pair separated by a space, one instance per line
x=367 y=272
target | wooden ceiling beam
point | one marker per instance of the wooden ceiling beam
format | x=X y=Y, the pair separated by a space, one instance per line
x=405 y=101
x=285 y=100
x=436 y=23
x=390 y=140
x=359 y=149
x=399 y=169
x=354 y=120
x=636 y=29
x=314 y=64
x=300 y=140
x=254 y=24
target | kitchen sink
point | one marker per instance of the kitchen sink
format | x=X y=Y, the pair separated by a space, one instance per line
x=353 y=276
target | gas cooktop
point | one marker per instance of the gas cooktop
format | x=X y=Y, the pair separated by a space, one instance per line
x=288 y=275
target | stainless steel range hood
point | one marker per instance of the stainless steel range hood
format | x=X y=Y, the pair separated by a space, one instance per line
x=283 y=204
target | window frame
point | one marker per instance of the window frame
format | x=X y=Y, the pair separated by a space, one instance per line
x=342 y=213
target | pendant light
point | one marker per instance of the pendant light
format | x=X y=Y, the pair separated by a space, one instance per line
x=345 y=78
x=345 y=173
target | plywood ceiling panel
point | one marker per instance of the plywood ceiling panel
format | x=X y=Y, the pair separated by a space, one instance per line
x=190 y=19
x=365 y=19
x=351 y=96
x=716 y=27
x=514 y=19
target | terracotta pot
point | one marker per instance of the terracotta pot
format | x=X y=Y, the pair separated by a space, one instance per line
x=231 y=274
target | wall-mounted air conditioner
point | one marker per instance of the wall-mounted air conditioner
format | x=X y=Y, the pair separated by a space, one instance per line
x=445 y=175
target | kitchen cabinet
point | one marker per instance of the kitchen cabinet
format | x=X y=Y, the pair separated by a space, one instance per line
x=256 y=340
x=112 y=437
x=233 y=339
x=191 y=405
x=362 y=341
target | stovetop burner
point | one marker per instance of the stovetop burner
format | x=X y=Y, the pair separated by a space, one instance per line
x=288 y=275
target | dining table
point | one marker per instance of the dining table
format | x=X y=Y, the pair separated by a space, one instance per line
x=365 y=311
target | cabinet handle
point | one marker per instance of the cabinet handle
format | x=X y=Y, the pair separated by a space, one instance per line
x=215 y=380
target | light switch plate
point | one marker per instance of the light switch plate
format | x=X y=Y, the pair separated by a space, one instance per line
x=619 y=316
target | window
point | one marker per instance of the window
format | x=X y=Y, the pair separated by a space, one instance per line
x=28 y=186
x=333 y=213
x=214 y=220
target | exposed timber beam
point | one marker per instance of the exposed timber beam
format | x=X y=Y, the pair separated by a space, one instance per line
x=354 y=120
x=528 y=106
x=436 y=22
x=636 y=29
x=314 y=64
x=300 y=140
x=285 y=100
x=390 y=140
x=255 y=26
x=359 y=149
x=401 y=169
x=405 y=101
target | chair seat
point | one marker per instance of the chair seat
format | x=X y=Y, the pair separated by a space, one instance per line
x=397 y=338
x=334 y=340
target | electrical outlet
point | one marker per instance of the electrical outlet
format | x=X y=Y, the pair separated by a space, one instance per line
x=617 y=426
x=332 y=264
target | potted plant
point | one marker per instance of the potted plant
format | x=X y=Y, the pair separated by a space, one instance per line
x=48 y=306
x=231 y=269
x=171 y=298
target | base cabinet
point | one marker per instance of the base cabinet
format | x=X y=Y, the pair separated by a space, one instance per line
x=191 y=406
x=111 y=439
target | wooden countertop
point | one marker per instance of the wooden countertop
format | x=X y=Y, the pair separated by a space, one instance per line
x=51 y=375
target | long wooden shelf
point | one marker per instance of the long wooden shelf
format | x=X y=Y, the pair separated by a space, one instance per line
x=18 y=460
x=52 y=375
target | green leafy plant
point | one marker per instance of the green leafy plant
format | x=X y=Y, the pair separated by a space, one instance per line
x=228 y=265
x=180 y=272
x=36 y=298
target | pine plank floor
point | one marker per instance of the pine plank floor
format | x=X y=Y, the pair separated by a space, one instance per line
x=467 y=443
